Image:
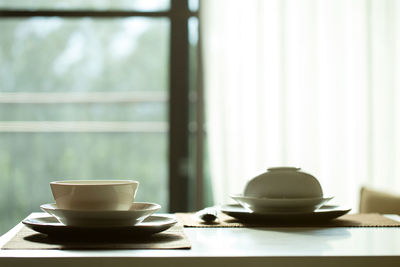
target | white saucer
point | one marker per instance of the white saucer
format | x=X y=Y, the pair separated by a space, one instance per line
x=137 y=213
x=50 y=226
x=266 y=205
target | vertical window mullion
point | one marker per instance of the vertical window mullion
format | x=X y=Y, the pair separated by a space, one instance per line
x=178 y=108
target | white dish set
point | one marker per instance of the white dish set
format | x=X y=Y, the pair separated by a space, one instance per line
x=282 y=190
x=87 y=205
x=95 y=206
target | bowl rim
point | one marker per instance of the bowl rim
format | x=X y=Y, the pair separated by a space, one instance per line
x=93 y=182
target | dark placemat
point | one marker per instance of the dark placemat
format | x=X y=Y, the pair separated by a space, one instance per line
x=348 y=220
x=173 y=238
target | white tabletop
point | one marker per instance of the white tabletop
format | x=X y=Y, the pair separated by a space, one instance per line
x=352 y=246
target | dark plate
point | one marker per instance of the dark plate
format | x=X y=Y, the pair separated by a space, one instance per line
x=325 y=213
x=49 y=225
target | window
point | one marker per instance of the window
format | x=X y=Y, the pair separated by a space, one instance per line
x=97 y=89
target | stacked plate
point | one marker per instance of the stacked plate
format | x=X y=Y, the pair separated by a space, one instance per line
x=93 y=206
x=50 y=226
x=322 y=214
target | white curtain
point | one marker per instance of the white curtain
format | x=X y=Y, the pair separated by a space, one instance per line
x=306 y=83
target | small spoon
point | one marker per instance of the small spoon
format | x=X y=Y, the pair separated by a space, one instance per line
x=207 y=215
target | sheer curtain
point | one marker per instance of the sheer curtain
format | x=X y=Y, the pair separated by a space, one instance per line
x=307 y=83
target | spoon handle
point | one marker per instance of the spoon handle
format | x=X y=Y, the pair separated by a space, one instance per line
x=207 y=215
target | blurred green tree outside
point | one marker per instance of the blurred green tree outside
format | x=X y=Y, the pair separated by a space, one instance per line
x=81 y=55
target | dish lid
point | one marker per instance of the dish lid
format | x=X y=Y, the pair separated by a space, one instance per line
x=284 y=182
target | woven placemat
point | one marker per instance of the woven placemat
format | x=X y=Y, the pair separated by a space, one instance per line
x=173 y=238
x=348 y=220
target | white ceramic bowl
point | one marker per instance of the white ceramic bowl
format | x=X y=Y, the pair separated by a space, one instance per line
x=94 y=194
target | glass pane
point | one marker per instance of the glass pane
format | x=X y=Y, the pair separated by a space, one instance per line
x=81 y=99
x=193 y=27
x=193 y=5
x=137 y=5
x=84 y=55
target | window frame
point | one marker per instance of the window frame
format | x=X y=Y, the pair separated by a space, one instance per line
x=178 y=91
